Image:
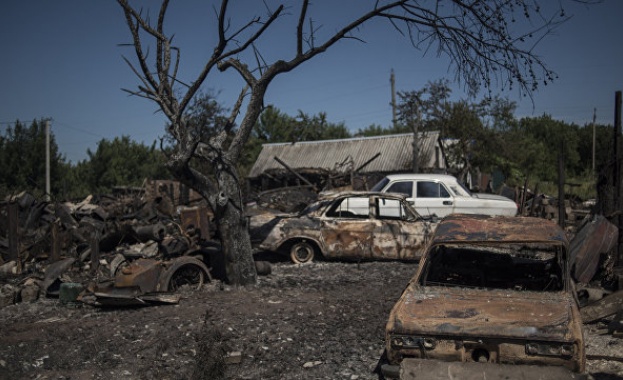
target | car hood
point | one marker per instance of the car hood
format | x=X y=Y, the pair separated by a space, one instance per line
x=491 y=197
x=483 y=313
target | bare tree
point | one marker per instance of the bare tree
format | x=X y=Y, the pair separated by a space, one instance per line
x=485 y=44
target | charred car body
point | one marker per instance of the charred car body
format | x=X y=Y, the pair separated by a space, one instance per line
x=490 y=290
x=349 y=226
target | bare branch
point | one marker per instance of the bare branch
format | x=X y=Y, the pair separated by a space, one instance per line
x=299 y=28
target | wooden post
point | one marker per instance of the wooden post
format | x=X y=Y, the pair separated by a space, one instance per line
x=561 y=186
x=95 y=249
x=523 y=196
x=13 y=212
x=55 y=255
x=533 y=204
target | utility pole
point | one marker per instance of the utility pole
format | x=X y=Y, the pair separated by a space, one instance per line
x=392 y=81
x=594 y=118
x=617 y=170
x=47 y=160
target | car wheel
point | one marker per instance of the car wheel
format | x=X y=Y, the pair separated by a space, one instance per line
x=302 y=253
x=189 y=274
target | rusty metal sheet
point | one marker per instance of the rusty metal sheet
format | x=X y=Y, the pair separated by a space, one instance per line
x=412 y=369
x=128 y=296
x=477 y=228
x=594 y=238
x=603 y=308
x=199 y=218
x=142 y=273
x=291 y=228
x=494 y=314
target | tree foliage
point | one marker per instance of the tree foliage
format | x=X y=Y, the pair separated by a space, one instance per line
x=23 y=159
x=122 y=161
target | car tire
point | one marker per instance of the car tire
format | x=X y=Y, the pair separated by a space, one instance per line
x=190 y=275
x=302 y=252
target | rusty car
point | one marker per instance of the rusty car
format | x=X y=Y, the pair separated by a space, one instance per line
x=347 y=226
x=490 y=291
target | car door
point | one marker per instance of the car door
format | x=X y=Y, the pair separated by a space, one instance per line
x=347 y=228
x=432 y=197
x=399 y=233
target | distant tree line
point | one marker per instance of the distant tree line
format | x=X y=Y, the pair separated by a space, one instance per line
x=487 y=136
x=117 y=162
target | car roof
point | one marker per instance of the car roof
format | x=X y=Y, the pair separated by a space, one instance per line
x=416 y=176
x=462 y=228
x=329 y=195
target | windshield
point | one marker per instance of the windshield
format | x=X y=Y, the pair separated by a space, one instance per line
x=521 y=266
x=380 y=185
x=460 y=190
x=313 y=207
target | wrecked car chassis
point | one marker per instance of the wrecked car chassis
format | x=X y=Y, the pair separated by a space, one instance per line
x=346 y=226
x=141 y=281
x=489 y=290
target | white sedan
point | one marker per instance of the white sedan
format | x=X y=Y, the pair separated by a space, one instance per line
x=442 y=195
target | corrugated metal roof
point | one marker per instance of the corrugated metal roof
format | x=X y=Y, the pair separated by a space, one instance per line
x=396 y=153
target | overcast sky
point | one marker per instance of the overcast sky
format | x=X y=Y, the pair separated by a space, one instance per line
x=62 y=59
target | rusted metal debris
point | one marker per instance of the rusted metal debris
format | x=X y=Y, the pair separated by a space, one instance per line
x=603 y=308
x=595 y=237
x=53 y=242
x=547 y=207
x=412 y=369
x=142 y=281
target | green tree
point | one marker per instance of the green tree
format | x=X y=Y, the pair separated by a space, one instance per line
x=423 y=110
x=378 y=130
x=473 y=143
x=274 y=126
x=122 y=162
x=316 y=127
x=604 y=147
x=549 y=134
x=475 y=35
x=23 y=159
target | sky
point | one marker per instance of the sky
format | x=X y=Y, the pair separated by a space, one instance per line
x=63 y=60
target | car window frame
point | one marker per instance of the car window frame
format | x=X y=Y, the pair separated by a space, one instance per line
x=440 y=186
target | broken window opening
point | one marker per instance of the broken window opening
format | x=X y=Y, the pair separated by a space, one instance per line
x=531 y=267
x=351 y=207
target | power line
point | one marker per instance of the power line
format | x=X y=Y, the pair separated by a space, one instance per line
x=78 y=129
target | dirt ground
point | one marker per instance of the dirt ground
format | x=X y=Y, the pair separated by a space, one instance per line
x=316 y=321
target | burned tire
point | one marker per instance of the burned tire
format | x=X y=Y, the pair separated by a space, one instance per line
x=181 y=271
x=302 y=253
x=188 y=275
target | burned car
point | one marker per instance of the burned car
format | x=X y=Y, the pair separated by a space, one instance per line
x=494 y=290
x=346 y=226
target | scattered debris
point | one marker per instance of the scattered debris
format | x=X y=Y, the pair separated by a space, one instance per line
x=136 y=237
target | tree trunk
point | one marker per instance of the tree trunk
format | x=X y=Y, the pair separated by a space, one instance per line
x=234 y=234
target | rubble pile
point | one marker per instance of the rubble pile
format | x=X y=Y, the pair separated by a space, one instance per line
x=44 y=244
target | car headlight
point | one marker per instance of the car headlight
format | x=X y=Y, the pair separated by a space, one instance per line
x=550 y=349
x=405 y=341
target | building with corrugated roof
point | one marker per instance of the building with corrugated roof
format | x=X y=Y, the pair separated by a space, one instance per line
x=356 y=162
